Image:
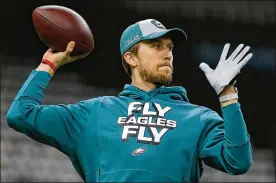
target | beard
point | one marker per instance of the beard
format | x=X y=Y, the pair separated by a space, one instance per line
x=156 y=76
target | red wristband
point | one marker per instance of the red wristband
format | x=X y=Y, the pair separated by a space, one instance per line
x=44 y=61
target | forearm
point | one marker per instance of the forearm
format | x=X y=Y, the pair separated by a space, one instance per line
x=230 y=147
x=28 y=98
x=234 y=122
x=27 y=115
x=235 y=126
x=237 y=150
x=31 y=93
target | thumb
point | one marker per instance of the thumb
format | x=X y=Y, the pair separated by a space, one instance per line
x=70 y=48
x=205 y=68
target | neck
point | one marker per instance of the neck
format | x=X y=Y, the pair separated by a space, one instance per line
x=141 y=84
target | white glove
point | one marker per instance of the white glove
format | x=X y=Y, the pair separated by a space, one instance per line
x=226 y=69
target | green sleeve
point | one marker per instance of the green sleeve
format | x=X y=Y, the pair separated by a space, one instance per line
x=225 y=144
x=55 y=125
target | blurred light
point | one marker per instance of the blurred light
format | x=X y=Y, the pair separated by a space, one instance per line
x=257 y=12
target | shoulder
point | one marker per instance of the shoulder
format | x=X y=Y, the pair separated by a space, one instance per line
x=96 y=102
x=109 y=101
x=85 y=105
x=89 y=102
x=209 y=116
x=194 y=108
x=205 y=114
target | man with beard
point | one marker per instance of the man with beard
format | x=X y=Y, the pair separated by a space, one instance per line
x=150 y=132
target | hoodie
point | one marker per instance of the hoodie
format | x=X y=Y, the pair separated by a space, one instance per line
x=137 y=136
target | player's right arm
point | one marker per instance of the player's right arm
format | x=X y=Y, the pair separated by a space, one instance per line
x=56 y=125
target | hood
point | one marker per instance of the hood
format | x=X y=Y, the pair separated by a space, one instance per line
x=170 y=94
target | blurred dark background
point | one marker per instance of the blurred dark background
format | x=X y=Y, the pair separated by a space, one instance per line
x=208 y=24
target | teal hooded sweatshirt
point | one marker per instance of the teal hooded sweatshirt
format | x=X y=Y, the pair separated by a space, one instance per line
x=137 y=136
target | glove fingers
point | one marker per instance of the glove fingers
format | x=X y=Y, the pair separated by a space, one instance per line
x=245 y=60
x=224 y=52
x=241 y=55
x=205 y=68
x=235 y=53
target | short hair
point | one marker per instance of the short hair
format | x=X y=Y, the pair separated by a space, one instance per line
x=133 y=50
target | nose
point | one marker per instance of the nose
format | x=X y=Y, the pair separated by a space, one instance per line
x=168 y=58
x=168 y=54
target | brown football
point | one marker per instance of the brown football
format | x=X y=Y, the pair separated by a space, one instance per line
x=56 y=26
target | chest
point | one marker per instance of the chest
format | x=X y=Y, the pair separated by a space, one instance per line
x=166 y=129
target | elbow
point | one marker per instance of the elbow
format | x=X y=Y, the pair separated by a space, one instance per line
x=239 y=159
x=13 y=118
x=242 y=167
x=20 y=114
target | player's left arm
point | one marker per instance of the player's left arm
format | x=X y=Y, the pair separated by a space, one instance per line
x=225 y=143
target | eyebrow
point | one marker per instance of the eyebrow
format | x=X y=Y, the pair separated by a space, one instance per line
x=171 y=43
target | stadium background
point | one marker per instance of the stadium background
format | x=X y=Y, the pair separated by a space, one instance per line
x=208 y=24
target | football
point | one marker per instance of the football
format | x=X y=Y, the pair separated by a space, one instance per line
x=56 y=26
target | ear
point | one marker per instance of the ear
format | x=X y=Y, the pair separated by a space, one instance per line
x=130 y=59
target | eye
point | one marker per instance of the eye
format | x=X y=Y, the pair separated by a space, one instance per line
x=157 y=46
x=170 y=46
